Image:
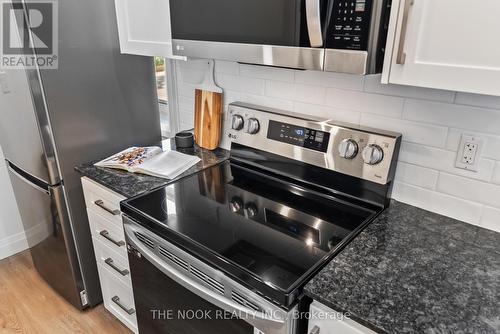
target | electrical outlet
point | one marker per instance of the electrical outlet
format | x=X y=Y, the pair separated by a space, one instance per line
x=469 y=152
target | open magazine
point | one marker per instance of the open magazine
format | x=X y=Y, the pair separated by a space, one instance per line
x=151 y=161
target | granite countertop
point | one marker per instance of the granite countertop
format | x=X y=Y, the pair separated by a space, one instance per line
x=413 y=271
x=130 y=184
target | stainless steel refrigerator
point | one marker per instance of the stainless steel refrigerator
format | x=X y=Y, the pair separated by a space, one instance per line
x=96 y=103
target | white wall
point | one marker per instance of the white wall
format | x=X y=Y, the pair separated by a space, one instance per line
x=431 y=122
x=12 y=237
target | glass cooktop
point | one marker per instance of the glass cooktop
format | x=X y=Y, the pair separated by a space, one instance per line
x=263 y=227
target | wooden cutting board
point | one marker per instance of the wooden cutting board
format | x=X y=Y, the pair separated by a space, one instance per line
x=208 y=111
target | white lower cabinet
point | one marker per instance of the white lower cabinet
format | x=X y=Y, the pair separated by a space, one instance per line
x=324 y=320
x=108 y=238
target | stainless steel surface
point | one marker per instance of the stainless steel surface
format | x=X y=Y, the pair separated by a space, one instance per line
x=47 y=231
x=373 y=154
x=105 y=235
x=346 y=61
x=315 y=330
x=373 y=39
x=401 y=56
x=100 y=203
x=109 y=261
x=379 y=173
x=313 y=16
x=82 y=109
x=127 y=309
x=272 y=55
x=19 y=131
x=253 y=126
x=28 y=182
x=237 y=122
x=266 y=316
x=348 y=149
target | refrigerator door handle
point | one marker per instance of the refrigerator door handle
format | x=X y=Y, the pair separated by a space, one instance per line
x=28 y=179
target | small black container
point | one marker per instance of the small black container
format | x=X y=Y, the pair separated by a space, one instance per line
x=184 y=139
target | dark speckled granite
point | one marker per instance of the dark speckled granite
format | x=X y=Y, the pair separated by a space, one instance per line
x=130 y=184
x=412 y=271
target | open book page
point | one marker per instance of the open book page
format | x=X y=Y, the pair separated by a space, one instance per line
x=131 y=158
x=168 y=164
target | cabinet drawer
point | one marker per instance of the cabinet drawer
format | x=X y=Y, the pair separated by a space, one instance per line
x=118 y=298
x=108 y=233
x=112 y=260
x=328 y=321
x=101 y=200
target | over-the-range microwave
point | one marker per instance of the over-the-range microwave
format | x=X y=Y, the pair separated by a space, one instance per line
x=346 y=36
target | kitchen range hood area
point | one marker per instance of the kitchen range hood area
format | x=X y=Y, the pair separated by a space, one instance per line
x=249 y=167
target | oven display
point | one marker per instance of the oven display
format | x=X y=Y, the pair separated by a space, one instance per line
x=298 y=136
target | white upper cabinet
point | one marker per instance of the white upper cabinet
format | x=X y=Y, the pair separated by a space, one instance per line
x=144 y=27
x=445 y=44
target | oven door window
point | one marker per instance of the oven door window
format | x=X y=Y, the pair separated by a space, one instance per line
x=163 y=306
x=266 y=22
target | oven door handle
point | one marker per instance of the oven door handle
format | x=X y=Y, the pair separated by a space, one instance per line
x=313 y=17
x=269 y=317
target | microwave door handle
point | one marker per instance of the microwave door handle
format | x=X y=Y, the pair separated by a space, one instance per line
x=193 y=286
x=313 y=17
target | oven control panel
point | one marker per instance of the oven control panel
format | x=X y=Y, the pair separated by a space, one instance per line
x=365 y=153
x=349 y=25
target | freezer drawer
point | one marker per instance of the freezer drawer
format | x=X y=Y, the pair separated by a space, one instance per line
x=44 y=215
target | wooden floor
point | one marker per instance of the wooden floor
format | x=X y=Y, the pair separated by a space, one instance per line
x=28 y=305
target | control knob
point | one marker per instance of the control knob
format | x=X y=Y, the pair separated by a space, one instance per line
x=253 y=126
x=237 y=122
x=348 y=149
x=373 y=154
x=251 y=210
x=236 y=204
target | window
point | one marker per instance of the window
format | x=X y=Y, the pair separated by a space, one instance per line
x=161 y=86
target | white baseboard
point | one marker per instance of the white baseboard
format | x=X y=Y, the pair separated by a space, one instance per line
x=19 y=242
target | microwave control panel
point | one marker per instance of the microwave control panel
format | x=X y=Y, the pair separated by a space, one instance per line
x=349 y=25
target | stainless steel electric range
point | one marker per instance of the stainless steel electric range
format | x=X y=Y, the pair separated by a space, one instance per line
x=228 y=250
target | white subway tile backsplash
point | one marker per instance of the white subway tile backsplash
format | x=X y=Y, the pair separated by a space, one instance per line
x=482 y=192
x=269 y=73
x=327 y=79
x=186 y=89
x=416 y=175
x=267 y=101
x=442 y=160
x=335 y=114
x=485 y=101
x=490 y=219
x=294 y=92
x=371 y=103
x=491 y=148
x=373 y=85
x=496 y=174
x=414 y=132
x=241 y=84
x=437 y=202
x=431 y=121
x=458 y=116
x=227 y=67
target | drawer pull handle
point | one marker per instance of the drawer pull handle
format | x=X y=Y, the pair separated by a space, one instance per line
x=116 y=300
x=100 y=203
x=315 y=330
x=109 y=261
x=105 y=234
